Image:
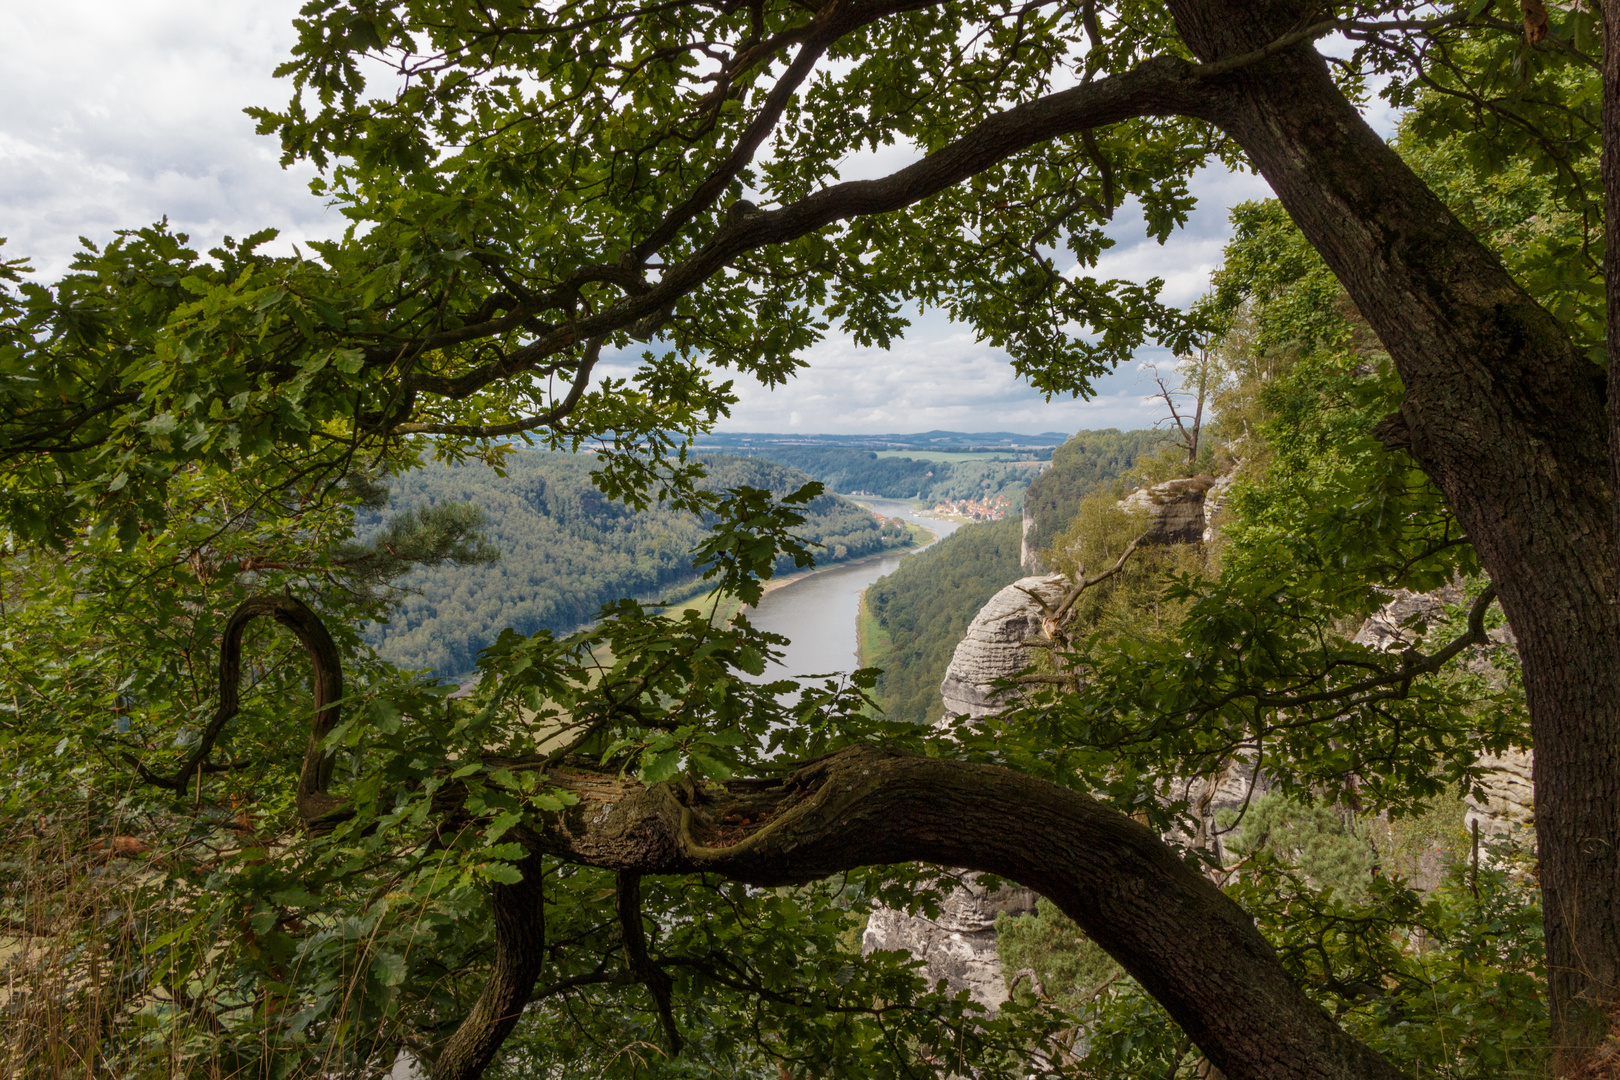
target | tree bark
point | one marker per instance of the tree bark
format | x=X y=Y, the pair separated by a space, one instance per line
x=520 y=950
x=1196 y=951
x=1507 y=417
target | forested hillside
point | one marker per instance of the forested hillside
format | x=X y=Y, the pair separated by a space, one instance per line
x=863 y=471
x=1079 y=466
x=566 y=549
x=912 y=619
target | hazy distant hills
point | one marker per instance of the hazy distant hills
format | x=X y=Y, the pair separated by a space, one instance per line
x=963 y=441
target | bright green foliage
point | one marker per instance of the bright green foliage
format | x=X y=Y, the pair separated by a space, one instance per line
x=1067 y=968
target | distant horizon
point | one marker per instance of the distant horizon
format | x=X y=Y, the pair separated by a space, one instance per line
x=932 y=433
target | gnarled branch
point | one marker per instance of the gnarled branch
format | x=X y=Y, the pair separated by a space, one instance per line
x=313 y=801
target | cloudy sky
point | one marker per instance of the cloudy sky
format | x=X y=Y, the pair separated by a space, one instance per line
x=120 y=113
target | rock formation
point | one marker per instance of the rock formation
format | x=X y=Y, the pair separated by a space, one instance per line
x=993 y=647
x=1028 y=557
x=1174 y=509
x=960 y=945
x=1214 y=500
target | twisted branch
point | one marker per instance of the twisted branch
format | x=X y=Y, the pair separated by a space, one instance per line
x=313 y=801
x=627 y=890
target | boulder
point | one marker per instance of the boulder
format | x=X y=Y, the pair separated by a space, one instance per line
x=1174 y=509
x=993 y=647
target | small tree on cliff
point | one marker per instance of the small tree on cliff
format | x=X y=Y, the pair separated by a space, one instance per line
x=547 y=183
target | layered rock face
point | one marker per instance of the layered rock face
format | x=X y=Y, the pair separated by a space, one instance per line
x=1174 y=509
x=960 y=945
x=993 y=647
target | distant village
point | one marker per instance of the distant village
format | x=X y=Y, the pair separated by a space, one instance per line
x=991 y=509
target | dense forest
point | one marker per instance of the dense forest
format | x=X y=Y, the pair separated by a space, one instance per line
x=864 y=472
x=566 y=549
x=912 y=619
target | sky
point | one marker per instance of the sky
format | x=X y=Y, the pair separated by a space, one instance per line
x=121 y=113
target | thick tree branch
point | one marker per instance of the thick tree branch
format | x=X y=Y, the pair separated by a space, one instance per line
x=1162 y=86
x=582 y=379
x=1196 y=951
x=520 y=949
x=627 y=888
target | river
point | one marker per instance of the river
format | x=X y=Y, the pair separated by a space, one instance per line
x=818 y=611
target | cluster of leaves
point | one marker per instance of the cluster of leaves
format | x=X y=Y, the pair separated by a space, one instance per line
x=244 y=942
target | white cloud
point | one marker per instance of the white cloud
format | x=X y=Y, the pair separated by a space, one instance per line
x=940 y=377
x=121 y=113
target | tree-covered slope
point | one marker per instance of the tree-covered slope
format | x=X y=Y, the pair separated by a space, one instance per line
x=1079 y=466
x=864 y=472
x=566 y=549
x=912 y=619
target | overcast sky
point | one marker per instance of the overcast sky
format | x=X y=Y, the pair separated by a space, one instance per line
x=119 y=113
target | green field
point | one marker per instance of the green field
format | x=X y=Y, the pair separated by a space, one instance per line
x=952 y=455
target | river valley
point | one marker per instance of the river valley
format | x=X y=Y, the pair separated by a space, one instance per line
x=818 y=611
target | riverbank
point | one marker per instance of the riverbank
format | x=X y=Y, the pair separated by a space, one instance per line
x=916 y=545
x=729 y=606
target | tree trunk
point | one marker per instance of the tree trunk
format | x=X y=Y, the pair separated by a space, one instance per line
x=1191 y=947
x=520 y=949
x=1507 y=417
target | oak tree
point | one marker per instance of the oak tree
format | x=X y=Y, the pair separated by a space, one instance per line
x=540 y=186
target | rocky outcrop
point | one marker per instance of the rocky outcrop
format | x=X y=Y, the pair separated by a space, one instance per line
x=1234 y=788
x=1174 y=510
x=1028 y=557
x=993 y=647
x=960 y=945
x=1214 y=501
x=1400 y=623
x=1506 y=809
